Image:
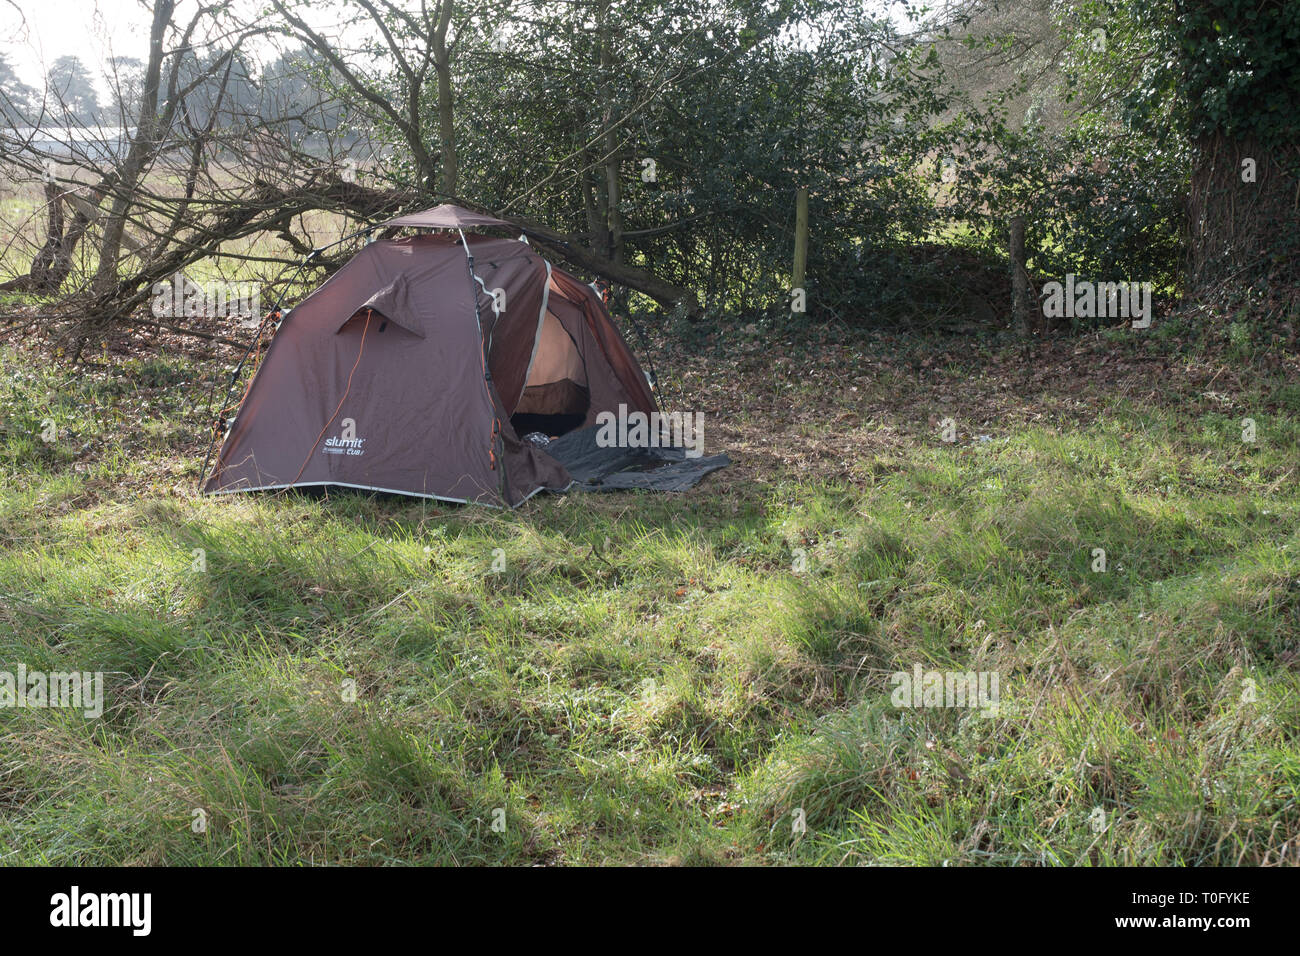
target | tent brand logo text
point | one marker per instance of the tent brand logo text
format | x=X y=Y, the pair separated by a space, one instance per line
x=347 y=443
x=656 y=430
x=75 y=909
x=83 y=691
x=973 y=689
x=1098 y=300
x=181 y=298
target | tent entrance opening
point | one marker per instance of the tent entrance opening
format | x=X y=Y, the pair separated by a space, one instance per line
x=556 y=397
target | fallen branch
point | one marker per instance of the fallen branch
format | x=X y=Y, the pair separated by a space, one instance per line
x=196 y=333
x=570 y=249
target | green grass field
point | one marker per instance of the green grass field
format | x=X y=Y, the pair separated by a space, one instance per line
x=696 y=678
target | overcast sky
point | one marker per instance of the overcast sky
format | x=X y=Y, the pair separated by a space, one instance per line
x=93 y=30
x=35 y=33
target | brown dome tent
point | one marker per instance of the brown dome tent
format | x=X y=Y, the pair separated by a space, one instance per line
x=416 y=367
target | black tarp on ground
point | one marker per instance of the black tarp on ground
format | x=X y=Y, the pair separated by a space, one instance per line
x=608 y=469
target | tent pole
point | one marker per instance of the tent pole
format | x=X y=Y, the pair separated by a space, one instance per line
x=498 y=444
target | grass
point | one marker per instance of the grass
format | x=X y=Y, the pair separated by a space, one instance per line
x=701 y=678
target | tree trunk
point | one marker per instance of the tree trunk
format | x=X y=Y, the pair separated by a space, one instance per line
x=53 y=264
x=1244 y=200
x=800 y=269
x=446 y=108
x=142 y=146
x=595 y=224
x=613 y=186
x=1023 y=317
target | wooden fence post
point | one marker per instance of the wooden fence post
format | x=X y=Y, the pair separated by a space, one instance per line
x=800 y=238
x=1020 y=311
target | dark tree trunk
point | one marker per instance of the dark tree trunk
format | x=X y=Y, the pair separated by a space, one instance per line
x=1025 y=316
x=1239 y=229
x=52 y=264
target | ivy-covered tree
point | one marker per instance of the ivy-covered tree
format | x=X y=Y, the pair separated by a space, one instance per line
x=1240 y=70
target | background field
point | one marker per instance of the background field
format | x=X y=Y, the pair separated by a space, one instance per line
x=650 y=680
